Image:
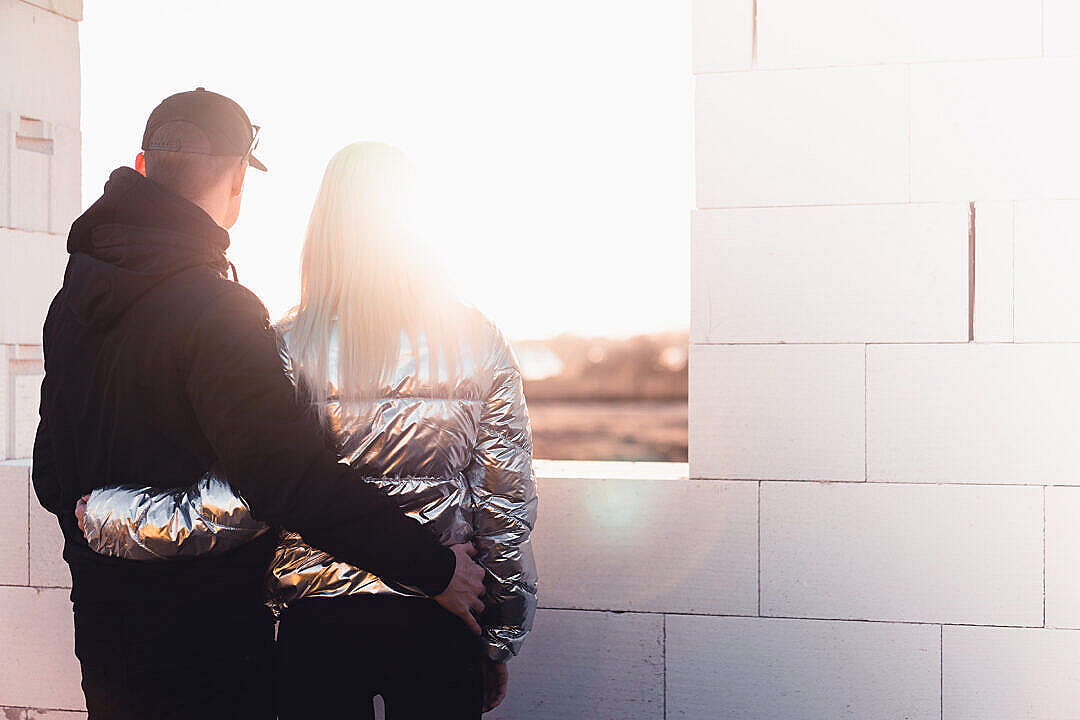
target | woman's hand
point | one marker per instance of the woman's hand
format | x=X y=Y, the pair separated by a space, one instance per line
x=80 y=512
x=496 y=677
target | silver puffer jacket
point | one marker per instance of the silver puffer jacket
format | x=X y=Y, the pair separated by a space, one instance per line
x=455 y=451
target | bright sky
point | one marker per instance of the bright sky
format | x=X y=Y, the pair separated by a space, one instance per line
x=558 y=135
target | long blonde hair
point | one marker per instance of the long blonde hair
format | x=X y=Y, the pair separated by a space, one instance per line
x=365 y=272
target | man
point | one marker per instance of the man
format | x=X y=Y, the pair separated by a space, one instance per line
x=158 y=367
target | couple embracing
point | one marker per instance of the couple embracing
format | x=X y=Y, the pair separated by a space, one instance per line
x=356 y=480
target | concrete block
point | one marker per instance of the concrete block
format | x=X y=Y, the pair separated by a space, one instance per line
x=994 y=272
x=796 y=33
x=65 y=190
x=911 y=553
x=44 y=175
x=39 y=665
x=1061 y=27
x=994 y=130
x=807 y=137
x=973 y=413
x=1006 y=673
x=764 y=669
x=1062 y=549
x=10 y=713
x=44 y=46
x=884 y=273
x=764 y=412
x=31 y=272
x=700 y=538
x=47 y=566
x=588 y=665
x=21 y=370
x=1047 y=265
x=723 y=35
x=14 y=531
x=27 y=400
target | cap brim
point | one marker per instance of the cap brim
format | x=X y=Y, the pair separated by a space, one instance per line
x=256 y=163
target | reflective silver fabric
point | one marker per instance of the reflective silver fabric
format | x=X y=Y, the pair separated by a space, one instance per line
x=455 y=449
x=143 y=523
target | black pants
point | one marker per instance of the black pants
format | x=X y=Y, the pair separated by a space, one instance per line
x=182 y=662
x=336 y=654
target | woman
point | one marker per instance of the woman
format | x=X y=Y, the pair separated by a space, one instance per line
x=424 y=395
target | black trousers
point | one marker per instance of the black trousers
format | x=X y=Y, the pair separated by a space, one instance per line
x=336 y=654
x=176 y=662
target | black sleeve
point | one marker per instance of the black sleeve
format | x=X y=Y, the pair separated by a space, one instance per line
x=276 y=456
x=43 y=471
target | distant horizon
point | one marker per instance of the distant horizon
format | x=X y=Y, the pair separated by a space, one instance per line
x=564 y=174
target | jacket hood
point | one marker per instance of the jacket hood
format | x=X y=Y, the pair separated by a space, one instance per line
x=136 y=236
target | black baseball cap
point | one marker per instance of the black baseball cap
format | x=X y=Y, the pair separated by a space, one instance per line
x=214 y=124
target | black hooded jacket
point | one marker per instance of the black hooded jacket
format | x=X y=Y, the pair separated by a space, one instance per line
x=157 y=367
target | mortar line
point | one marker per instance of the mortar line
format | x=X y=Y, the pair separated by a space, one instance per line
x=754 y=37
x=1042 y=27
x=876 y=483
x=1012 y=275
x=866 y=413
x=1044 y=556
x=748 y=616
x=29 y=499
x=907 y=150
x=971 y=271
x=759 y=548
x=663 y=650
x=941 y=670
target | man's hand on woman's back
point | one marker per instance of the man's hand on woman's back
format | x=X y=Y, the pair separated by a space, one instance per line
x=462 y=595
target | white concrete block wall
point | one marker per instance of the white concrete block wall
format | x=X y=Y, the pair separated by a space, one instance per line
x=885 y=325
x=778 y=411
x=796 y=34
x=880 y=273
x=766 y=668
x=752 y=130
x=40 y=178
x=608 y=525
x=40 y=167
x=868 y=551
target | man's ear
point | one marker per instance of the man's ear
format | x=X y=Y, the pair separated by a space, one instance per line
x=238 y=179
x=140 y=164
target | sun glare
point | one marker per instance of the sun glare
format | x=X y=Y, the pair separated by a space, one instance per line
x=558 y=166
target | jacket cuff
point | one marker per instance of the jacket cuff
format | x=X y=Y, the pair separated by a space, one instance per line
x=497 y=653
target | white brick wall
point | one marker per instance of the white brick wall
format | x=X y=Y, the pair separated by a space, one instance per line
x=589 y=665
x=998 y=130
x=1062 y=551
x=37 y=634
x=974 y=413
x=877 y=273
x=771 y=412
x=850 y=325
x=766 y=669
x=752 y=131
x=1005 y=673
x=590 y=551
x=994 y=253
x=1047 y=266
x=896 y=552
x=732 y=21
x=796 y=33
x=39 y=51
